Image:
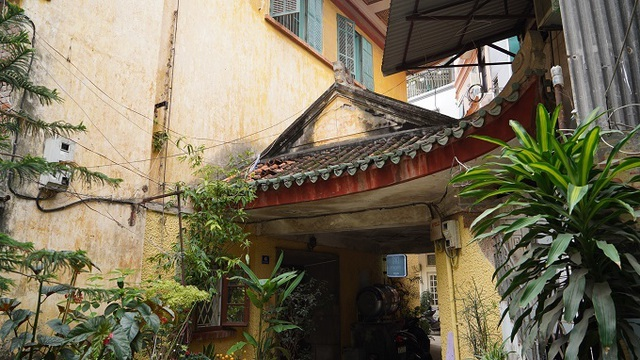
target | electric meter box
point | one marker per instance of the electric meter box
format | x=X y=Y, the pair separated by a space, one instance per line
x=57 y=149
x=451 y=234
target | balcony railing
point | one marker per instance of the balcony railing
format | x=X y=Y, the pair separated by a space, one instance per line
x=420 y=83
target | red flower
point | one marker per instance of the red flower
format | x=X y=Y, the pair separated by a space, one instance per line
x=164 y=320
x=107 y=340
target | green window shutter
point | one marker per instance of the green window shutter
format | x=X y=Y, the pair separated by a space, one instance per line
x=367 y=63
x=346 y=43
x=357 y=44
x=284 y=7
x=314 y=24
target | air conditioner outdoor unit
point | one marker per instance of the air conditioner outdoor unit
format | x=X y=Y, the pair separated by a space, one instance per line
x=548 y=14
x=57 y=149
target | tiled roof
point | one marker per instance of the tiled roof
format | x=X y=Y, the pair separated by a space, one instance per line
x=347 y=159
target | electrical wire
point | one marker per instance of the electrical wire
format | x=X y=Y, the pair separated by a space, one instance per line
x=622 y=48
x=220 y=142
x=22 y=104
x=612 y=112
x=110 y=97
x=233 y=141
x=81 y=200
x=134 y=170
x=94 y=85
x=113 y=163
x=105 y=94
x=97 y=96
x=394 y=87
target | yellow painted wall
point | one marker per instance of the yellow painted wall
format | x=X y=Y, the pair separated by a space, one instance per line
x=161 y=233
x=356 y=271
x=239 y=81
x=469 y=266
x=103 y=65
x=341 y=120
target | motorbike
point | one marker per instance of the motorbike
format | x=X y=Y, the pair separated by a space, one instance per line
x=412 y=342
x=434 y=324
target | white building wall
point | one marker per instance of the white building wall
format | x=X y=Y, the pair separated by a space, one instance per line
x=439 y=100
x=445 y=100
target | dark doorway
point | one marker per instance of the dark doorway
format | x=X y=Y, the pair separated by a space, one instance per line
x=323 y=267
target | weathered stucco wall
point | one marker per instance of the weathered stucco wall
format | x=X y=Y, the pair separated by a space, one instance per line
x=239 y=81
x=103 y=65
x=160 y=235
x=236 y=83
x=341 y=120
x=471 y=266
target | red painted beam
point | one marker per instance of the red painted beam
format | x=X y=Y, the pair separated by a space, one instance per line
x=423 y=164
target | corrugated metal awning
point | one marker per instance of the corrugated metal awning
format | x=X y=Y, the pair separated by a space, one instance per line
x=424 y=31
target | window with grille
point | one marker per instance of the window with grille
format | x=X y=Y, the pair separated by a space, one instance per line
x=301 y=17
x=229 y=307
x=433 y=288
x=355 y=52
x=235 y=305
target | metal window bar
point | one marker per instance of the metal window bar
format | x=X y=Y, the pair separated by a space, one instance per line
x=290 y=21
x=208 y=313
x=426 y=81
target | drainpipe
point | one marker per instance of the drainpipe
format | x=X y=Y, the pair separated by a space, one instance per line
x=558 y=85
x=454 y=312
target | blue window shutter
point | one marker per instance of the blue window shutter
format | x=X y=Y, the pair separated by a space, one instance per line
x=367 y=64
x=346 y=43
x=284 y=7
x=314 y=24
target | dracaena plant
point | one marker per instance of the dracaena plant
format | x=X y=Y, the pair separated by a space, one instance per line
x=268 y=296
x=576 y=285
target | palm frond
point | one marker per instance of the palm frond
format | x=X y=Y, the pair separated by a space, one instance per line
x=16 y=59
x=19 y=121
x=31 y=167
x=24 y=168
x=47 y=261
x=12 y=16
x=10 y=38
x=14 y=70
x=83 y=174
x=11 y=256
